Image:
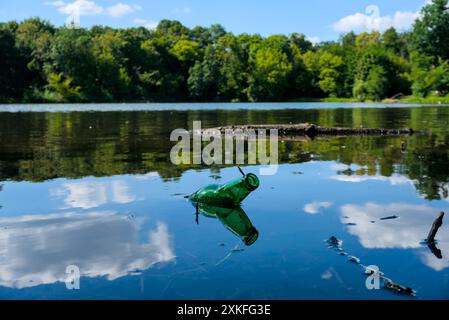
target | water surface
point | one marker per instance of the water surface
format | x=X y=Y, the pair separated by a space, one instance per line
x=95 y=188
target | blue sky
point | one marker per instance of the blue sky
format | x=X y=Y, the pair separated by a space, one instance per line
x=318 y=19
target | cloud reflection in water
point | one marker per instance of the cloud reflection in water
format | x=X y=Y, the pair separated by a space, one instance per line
x=36 y=250
x=407 y=232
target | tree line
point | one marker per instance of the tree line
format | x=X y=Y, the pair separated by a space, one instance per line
x=43 y=63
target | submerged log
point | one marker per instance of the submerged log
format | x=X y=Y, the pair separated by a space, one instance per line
x=292 y=131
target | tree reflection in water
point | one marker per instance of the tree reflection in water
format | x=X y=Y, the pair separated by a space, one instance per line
x=78 y=144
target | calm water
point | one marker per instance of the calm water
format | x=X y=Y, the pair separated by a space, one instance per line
x=93 y=186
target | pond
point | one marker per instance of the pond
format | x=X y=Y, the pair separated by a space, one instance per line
x=93 y=186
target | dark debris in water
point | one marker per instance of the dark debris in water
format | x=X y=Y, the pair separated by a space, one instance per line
x=397 y=288
x=354 y=259
x=336 y=243
x=389 y=218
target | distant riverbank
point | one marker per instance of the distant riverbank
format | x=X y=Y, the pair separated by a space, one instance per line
x=403 y=100
x=407 y=99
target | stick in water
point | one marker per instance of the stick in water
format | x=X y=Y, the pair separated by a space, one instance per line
x=436 y=225
x=197 y=213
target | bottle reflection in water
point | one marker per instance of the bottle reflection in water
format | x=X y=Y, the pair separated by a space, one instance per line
x=234 y=219
x=223 y=203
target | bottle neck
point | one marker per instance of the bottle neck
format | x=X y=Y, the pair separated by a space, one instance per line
x=240 y=189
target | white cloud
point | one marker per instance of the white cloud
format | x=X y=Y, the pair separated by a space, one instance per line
x=90 y=8
x=80 y=7
x=36 y=250
x=150 y=25
x=372 y=20
x=121 y=9
x=315 y=207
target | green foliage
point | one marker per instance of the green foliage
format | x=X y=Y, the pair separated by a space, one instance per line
x=431 y=32
x=271 y=69
x=186 y=51
x=330 y=73
x=61 y=90
x=374 y=87
x=175 y=63
x=434 y=81
x=14 y=76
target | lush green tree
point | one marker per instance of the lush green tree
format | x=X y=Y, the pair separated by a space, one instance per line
x=431 y=31
x=374 y=87
x=14 y=74
x=428 y=78
x=160 y=75
x=186 y=51
x=112 y=76
x=301 y=82
x=331 y=67
x=311 y=62
x=222 y=73
x=172 y=30
x=270 y=71
x=71 y=57
x=391 y=41
x=216 y=31
x=60 y=89
x=34 y=37
x=300 y=41
x=205 y=76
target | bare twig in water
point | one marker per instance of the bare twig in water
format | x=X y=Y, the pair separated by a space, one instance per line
x=197 y=213
x=228 y=255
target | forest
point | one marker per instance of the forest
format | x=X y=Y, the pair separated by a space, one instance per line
x=44 y=63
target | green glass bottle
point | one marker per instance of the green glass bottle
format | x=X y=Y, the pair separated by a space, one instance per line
x=229 y=195
x=234 y=219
